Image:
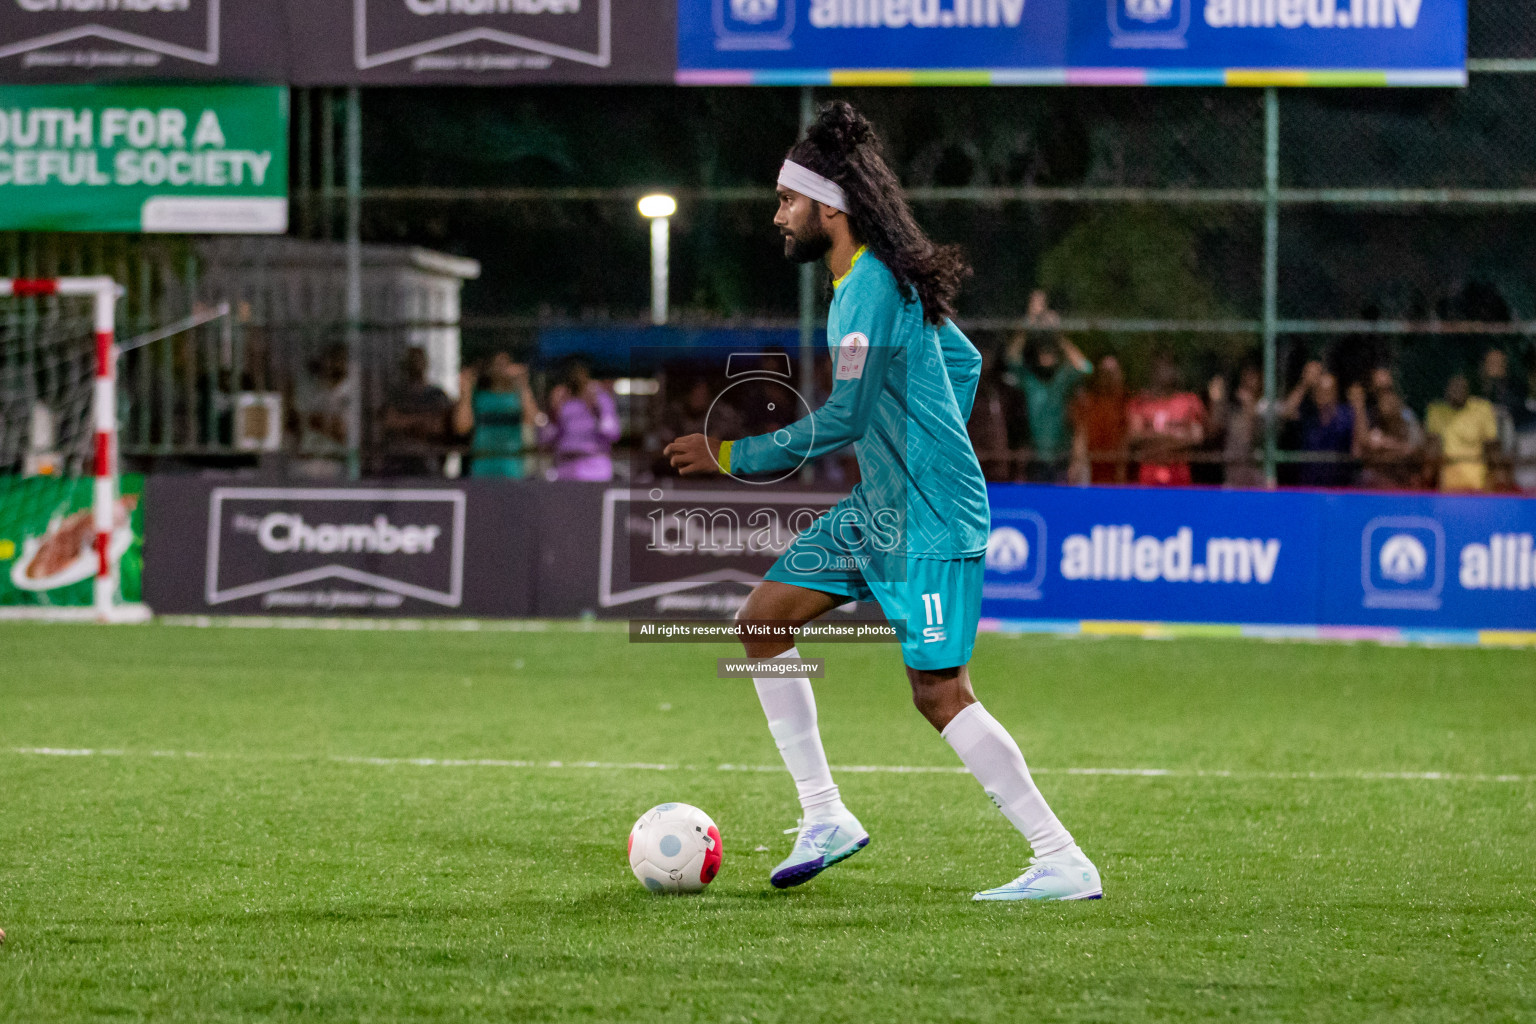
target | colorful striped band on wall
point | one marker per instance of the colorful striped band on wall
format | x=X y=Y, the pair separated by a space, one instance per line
x=1240 y=77
x=1334 y=634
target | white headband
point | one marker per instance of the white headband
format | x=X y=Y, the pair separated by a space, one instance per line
x=812 y=185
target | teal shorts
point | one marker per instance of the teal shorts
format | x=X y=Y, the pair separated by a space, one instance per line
x=934 y=602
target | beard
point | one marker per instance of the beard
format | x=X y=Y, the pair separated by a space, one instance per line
x=807 y=245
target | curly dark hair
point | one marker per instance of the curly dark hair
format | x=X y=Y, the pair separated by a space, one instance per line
x=842 y=145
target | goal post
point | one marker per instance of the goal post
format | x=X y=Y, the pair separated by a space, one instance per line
x=102 y=457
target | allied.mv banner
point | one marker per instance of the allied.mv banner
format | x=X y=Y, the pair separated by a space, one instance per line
x=1066 y=42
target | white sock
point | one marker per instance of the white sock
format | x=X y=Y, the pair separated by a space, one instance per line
x=791 y=709
x=998 y=764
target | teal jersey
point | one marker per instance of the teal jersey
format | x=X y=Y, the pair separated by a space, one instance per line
x=901 y=393
x=497 y=446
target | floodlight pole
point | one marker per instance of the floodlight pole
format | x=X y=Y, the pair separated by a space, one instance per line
x=661 y=231
x=354 y=250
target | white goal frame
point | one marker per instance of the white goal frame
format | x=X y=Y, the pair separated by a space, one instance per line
x=103 y=293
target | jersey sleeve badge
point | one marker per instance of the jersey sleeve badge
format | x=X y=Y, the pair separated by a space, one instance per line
x=852 y=352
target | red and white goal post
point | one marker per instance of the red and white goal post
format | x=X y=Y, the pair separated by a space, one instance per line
x=103 y=293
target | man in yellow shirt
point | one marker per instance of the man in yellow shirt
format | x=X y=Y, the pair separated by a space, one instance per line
x=1464 y=428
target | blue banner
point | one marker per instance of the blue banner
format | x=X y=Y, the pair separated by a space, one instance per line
x=1410 y=562
x=1122 y=42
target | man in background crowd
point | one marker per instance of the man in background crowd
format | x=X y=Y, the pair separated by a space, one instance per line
x=688 y=415
x=324 y=408
x=1466 y=432
x=1328 y=430
x=1099 y=426
x=1164 y=426
x=1384 y=381
x=1497 y=385
x=1047 y=368
x=415 y=421
x=1236 y=425
x=999 y=423
x=499 y=418
x=1392 y=449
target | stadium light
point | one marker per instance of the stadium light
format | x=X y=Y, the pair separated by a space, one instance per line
x=659 y=208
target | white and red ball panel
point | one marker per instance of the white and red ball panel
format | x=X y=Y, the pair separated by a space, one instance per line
x=674 y=847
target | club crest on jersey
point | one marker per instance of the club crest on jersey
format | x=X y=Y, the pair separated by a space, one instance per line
x=852 y=351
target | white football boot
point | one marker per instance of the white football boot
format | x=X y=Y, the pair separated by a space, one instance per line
x=820 y=843
x=1065 y=875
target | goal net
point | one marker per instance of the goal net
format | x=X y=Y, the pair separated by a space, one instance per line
x=70 y=530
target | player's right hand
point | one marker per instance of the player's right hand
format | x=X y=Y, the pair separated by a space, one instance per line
x=694 y=455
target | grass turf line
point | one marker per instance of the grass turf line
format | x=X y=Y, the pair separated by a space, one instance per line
x=278 y=884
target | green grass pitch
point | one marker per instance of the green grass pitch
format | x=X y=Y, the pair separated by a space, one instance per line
x=297 y=869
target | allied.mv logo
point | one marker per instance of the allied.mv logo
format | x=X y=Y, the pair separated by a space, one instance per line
x=1015 y=560
x=1007 y=550
x=754 y=12
x=1403 y=559
x=1148 y=24
x=753 y=24
x=1402 y=562
x=1149 y=11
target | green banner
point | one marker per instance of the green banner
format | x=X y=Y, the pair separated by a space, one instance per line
x=187 y=159
x=47 y=558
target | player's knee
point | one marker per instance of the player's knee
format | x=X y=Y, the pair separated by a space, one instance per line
x=929 y=691
x=938 y=695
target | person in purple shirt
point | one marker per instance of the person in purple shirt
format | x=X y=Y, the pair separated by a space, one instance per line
x=583 y=425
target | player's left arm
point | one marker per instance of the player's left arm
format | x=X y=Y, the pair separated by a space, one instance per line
x=963 y=365
x=873 y=333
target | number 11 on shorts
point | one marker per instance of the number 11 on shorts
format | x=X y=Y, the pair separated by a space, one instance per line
x=933 y=610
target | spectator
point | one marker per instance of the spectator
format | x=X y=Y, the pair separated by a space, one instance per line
x=1236 y=422
x=1099 y=426
x=324 y=408
x=1325 y=427
x=1393 y=447
x=1384 y=380
x=999 y=424
x=1498 y=387
x=1465 y=430
x=583 y=425
x=1165 y=425
x=499 y=418
x=1525 y=438
x=1047 y=368
x=1495 y=383
x=416 y=422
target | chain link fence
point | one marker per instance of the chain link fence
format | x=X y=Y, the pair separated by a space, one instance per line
x=1403 y=222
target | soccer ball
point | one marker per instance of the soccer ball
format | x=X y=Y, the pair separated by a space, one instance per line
x=674 y=848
